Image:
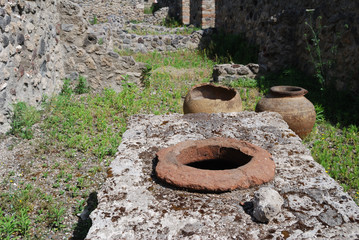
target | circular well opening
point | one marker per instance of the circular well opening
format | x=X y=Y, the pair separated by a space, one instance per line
x=214 y=158
x=215 y=164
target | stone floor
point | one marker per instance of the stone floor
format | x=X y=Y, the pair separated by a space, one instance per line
x=134 y=204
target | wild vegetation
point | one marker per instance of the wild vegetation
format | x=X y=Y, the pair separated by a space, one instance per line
x=75 y=136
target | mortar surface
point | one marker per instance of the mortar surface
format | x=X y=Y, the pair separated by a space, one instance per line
x=134 y=204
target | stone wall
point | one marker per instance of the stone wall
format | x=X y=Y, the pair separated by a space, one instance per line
x=90 y=52
x=158 y=38
x=43 y=42
x=31 y=57
x=129 y=9
x=279 y=28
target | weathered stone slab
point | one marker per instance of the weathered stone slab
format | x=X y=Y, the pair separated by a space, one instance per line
x=134 y=204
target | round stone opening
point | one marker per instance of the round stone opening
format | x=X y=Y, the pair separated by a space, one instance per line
x=216 y=164
x=220 y=159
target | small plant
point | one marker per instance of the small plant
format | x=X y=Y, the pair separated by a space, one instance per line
x=80 y=206
x=82 y=86
x=321 y=64
x=66 y=88
x=55 y=217
x=148 y=10
x=135 y=21
x=23 y=118
x=146 y=73
x=171 y=22
x=94 y=20
x=100 y=41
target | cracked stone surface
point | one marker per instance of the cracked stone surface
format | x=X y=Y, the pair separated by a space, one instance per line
x=134 y=204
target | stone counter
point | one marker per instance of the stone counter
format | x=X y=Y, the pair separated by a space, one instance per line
x=134 y=204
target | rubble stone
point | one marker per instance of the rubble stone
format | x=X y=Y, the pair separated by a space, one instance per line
x=267 y=204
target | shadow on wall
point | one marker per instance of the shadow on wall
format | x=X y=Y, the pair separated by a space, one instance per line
x=195 y=12
x=175 y=8
x=229 y=48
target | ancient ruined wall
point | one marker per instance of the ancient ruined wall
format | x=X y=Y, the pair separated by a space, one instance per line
x=89 y=50
x=278 y=27
x=30 y=54
x=43 y=42
x=129 y=9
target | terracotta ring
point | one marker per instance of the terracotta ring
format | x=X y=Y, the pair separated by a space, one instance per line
x=215 y=165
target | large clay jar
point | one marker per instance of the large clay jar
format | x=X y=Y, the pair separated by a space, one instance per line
x=209 y=98
x=296 y=110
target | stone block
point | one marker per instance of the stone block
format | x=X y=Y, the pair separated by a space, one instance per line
x=315 y=206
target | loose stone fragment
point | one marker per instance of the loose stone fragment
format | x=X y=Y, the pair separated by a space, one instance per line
x=267 y=204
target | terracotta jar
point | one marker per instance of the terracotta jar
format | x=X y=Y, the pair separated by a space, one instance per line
x=210 y=98
x=296 y=110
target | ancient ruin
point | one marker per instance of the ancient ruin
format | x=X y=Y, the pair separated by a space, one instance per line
x=44 y=42
x=134 y=203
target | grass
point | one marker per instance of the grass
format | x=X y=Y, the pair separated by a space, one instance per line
x=80 y=133
x=336 y=149
x=15 y=206
x=23 y=118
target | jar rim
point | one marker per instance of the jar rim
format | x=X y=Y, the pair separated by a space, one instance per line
x=289 y=91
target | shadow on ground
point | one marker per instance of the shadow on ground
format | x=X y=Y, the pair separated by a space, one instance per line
x=85 y=222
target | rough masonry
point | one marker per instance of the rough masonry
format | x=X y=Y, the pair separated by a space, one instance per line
x=135 y=204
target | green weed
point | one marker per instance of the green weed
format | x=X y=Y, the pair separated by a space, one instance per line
x=82 y=86
x=15 y=208
x=94 y=20
x=66 y=87
x=23 y=118
x=133 y=21
x=100 y=41
x=248 y=90
x=171 y=22
x=55 y=216
x=148 y=10
x=320 y=63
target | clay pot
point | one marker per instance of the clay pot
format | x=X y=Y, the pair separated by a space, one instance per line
x=210 y=98
x=296 y=110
